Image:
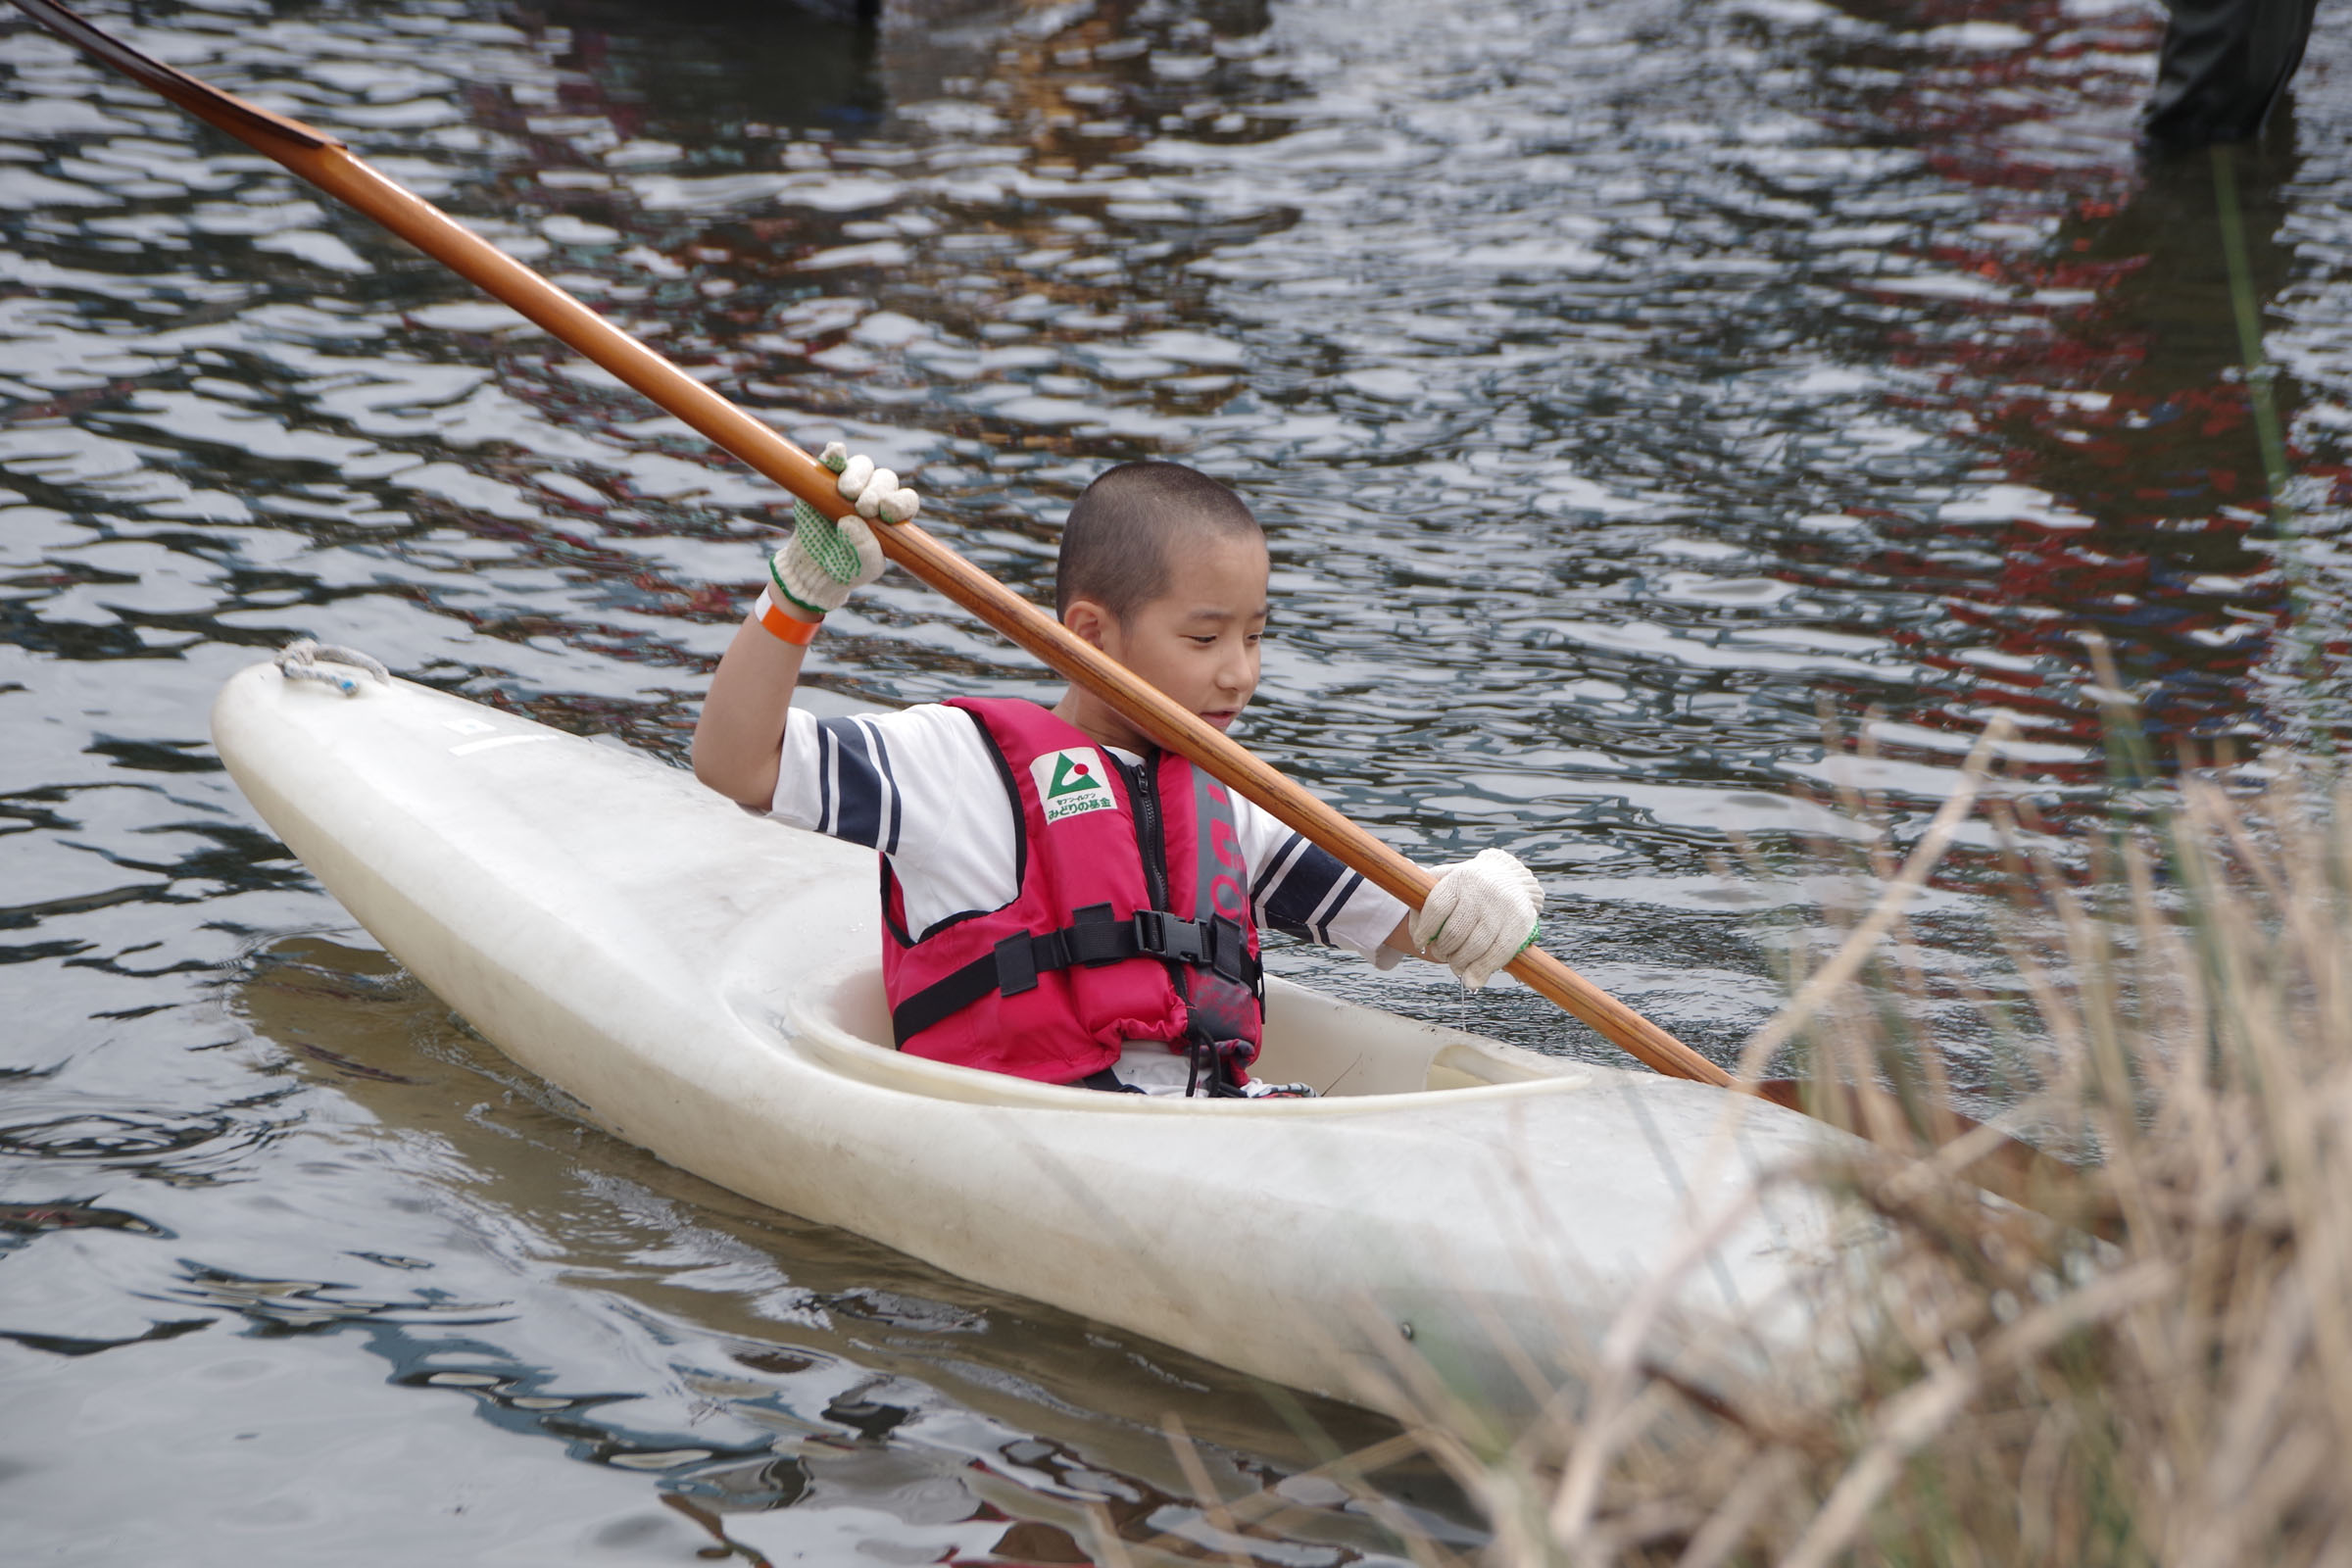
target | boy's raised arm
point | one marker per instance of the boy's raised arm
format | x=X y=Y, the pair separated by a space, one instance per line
x=739 y=740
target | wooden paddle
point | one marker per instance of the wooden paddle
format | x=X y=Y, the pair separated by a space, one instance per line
x=2012 y=1169
x=331 y=166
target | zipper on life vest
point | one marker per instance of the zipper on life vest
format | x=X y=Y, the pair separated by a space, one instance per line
x=1143 y=785
x=1148 y=837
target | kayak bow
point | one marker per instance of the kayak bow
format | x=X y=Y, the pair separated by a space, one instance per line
x=707 y=984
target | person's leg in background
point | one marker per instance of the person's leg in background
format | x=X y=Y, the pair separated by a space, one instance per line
x=2223 y=65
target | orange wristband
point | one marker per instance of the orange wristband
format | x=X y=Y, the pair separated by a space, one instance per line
x=781 y=625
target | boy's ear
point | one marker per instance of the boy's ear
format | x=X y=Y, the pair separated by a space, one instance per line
x=1088 y=620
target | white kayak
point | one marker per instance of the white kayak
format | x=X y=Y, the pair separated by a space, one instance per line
x=707 y=984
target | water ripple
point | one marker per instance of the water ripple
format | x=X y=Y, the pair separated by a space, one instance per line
x=1621 y=387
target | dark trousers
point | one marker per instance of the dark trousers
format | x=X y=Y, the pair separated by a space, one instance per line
x=2224 y=64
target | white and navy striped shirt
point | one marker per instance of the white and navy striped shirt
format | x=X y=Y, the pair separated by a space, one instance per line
x=923 y=786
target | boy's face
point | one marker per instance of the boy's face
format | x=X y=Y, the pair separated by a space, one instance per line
x=1197 y=642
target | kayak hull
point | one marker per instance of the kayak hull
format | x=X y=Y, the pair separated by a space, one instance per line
x=705 y=983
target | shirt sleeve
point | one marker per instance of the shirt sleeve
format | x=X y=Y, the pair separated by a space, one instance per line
x=839 y=777
x=1304 y=891
x=922 y=786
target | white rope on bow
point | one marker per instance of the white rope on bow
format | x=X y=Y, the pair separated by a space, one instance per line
x=307 y=658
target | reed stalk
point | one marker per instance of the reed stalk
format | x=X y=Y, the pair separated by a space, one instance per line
x=2155 y=1369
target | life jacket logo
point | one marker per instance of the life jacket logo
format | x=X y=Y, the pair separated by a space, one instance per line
x=1072 y=782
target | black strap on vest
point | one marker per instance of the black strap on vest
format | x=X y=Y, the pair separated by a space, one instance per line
x=1094 y=937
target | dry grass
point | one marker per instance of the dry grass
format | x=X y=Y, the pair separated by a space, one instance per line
x=2156 y=1368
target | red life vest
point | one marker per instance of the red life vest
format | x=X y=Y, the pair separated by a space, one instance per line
x=1132 y=921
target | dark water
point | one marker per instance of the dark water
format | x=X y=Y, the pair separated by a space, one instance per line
x=1621 y=383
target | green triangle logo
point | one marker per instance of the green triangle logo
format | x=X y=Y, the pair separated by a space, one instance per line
x=1073 y=774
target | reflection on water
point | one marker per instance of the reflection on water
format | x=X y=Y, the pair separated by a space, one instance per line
x=1617 y=382
x=796 y=1366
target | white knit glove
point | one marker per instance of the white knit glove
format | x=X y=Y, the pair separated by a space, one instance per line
x=823 y=562
x=875 y=492
x=1479 y=915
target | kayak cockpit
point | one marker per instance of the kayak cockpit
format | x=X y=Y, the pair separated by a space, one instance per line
x=837 y=1019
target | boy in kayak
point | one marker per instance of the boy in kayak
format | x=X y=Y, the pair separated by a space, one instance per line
x=1062 y=900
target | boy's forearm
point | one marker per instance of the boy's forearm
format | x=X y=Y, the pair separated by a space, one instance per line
x=739 y=740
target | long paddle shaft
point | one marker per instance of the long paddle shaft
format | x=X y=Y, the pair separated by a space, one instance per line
x=328 y=164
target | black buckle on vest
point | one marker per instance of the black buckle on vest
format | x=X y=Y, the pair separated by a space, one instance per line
x=1016 y=964
x=1095 y=937
x=1163 y=936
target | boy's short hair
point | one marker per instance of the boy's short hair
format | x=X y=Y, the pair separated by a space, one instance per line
x=1115 y=548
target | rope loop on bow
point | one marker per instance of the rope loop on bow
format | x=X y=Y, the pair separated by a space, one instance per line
x=307 y=658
